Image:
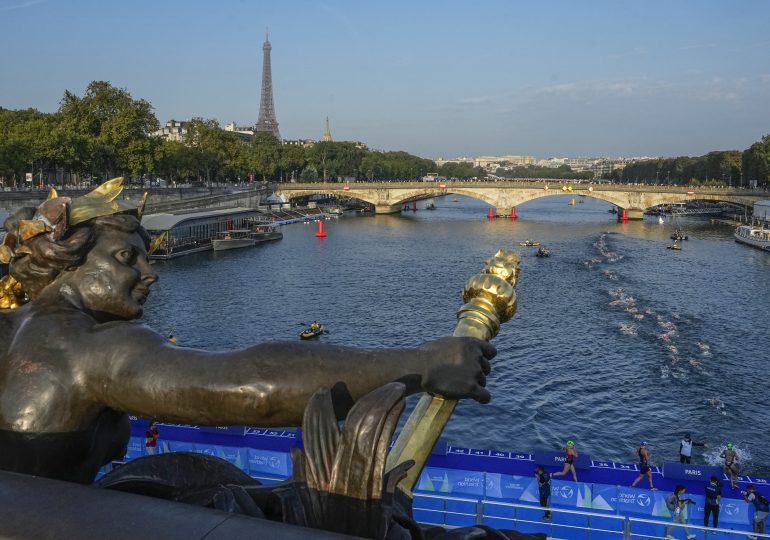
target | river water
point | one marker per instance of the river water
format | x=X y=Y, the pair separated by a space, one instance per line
x=616 y=339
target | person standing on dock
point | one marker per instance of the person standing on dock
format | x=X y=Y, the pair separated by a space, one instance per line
x=713 y=495
x=685 y=448
x=151 y=438
x=761 y=508
x=544 y=486
x=676 y=504
x=571 y=453
x=644 y=464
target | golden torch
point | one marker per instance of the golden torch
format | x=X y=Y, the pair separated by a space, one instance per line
x=489 y=301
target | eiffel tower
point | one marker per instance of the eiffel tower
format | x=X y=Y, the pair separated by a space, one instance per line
x=267 y=121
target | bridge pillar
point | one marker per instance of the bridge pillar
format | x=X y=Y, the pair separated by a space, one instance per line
x=387 y=208
x=634 y=214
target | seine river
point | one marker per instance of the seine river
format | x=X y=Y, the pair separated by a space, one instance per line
x=616 y=339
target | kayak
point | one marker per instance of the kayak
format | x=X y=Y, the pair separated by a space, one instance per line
x=529 y=243
x=310 y=334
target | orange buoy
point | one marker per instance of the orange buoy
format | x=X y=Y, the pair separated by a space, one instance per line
x=513 y=212
x=623 y=215
x=320 y=233
x=491 y=214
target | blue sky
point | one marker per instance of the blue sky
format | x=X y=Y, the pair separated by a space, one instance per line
x=434 y=78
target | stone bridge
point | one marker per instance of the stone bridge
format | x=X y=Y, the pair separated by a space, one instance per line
x=389 y=197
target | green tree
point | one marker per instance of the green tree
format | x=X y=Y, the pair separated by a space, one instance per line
x=114 y=128
x=264 y=154
x=755 y=162
x=293 y=160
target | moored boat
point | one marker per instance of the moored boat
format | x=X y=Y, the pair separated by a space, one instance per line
x=543 y=252
x=234 y=239
x=265 y=233
x=529 y=243
x=678 y=235
x=751 y=235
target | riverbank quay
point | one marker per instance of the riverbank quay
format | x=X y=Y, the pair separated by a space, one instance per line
x=466 y=486
x=172 y=199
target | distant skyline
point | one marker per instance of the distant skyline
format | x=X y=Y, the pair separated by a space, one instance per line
x=433 y=78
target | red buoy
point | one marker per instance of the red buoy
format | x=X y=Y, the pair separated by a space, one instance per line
x=491 y=214
x=623 y=215
x=513 y=212
x=414 y=206
x=320 y=233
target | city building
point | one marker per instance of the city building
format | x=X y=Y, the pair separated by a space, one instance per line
x=490 y=162
x=174 y=130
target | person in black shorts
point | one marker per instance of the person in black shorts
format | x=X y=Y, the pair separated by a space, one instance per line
x=644 y=464
x=544 y=486
x=713 y=495
x=570 y=453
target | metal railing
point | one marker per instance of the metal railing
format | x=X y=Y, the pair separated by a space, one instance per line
x=518 y=515
x=557 y=525
x=678 y=530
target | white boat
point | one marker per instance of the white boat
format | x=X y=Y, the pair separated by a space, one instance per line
x=237 y=238
x=754 y=236
x=265 y=233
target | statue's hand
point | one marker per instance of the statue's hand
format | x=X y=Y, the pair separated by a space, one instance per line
x=456 y=368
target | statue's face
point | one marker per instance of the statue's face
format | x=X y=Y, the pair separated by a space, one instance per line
x=115 y=279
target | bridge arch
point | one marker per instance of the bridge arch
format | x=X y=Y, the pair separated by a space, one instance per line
x=389 y=197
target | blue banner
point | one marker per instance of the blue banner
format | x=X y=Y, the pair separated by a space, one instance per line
x=605 y=497
x=455 y=481
x=549 y=458
x=135 y=448
x=512 y=487
x=570 y=494
x=733 y=511
x=236 y=456
x=683 y=471
x=640 y=502
x=266 y=462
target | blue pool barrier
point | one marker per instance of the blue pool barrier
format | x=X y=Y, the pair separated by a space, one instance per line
x=549 y=458
x=680 y=471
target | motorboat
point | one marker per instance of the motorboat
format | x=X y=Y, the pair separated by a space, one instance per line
x=543 y=252
x=676 y=246
x=311 y=333
x=678 y=235
x=613 y=210
x=233 y=239
x=529 y=243
x=265 y=233
x=430 y=206
x=758 y=237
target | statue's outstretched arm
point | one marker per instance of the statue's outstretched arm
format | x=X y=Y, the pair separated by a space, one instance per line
x=268 y=384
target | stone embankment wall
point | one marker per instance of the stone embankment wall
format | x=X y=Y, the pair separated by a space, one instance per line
x=160 y=200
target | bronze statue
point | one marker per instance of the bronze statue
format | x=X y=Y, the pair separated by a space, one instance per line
x=74 y=362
